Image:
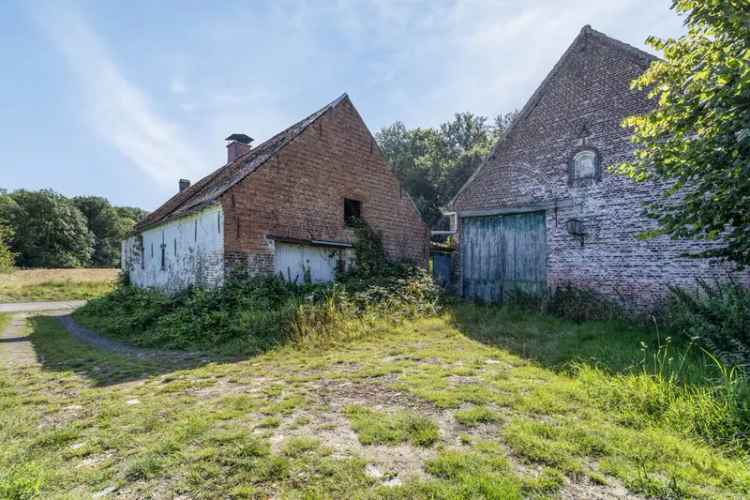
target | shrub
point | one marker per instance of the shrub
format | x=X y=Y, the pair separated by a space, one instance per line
x=7 y=258
x=251 y=315
x=715 y=315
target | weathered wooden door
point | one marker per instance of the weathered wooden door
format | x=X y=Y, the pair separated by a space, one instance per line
x=298 y=263
x=501 y=253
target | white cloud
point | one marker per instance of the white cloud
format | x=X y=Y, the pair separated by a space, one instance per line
x=118 y=112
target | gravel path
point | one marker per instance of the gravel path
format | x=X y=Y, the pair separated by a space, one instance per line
x=21 y=307
x=83 y=334
x=16 y=348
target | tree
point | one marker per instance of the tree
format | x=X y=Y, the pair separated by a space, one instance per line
x=7 y=257
x=696 y=141
x=132 y=214
x=433 y=163
x=49 y=231
x=108 y=224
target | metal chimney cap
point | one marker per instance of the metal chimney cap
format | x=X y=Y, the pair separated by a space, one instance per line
x=241 y=138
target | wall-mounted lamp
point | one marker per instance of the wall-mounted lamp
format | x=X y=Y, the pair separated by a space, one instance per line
x=576 y=229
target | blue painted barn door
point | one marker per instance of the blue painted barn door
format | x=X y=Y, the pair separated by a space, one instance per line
x=501 y=253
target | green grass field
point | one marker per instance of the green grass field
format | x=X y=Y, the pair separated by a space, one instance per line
x=36 y=285
x=479 y=402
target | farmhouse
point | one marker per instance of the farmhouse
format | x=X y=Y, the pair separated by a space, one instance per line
x=285 y=206
x=545 y=210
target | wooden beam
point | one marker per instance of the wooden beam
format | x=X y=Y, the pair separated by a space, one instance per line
x=537 y=207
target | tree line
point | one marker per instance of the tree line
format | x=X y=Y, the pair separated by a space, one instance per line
x=433 y=163
x=46 y=229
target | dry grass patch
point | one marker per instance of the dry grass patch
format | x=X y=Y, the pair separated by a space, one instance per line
x=31 y=285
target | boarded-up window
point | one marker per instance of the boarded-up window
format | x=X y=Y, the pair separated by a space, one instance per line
x=584 y=167
x=352 y=211
x=584 y=164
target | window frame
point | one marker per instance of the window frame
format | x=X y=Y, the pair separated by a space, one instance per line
x=352 y=205
x=597 y=175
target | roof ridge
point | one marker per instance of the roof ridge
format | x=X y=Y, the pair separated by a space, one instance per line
x=531 y=103
x=204 y=192
x=620 y=44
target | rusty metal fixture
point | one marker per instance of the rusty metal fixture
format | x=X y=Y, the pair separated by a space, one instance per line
x=576 y=229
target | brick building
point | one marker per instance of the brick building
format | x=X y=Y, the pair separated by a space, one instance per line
x=545 y=210
x=282 y=207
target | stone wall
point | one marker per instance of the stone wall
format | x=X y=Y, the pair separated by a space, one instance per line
x=193 y=252
x=581 y=105
x=299 y=195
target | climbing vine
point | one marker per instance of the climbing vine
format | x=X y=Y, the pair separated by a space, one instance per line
x=368 y=248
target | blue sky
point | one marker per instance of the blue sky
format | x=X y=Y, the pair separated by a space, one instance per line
x=121 y=99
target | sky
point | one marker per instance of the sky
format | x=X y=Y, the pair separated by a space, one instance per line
x=121 y=99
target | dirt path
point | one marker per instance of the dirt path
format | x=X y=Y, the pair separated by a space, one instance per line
x=16 y=348
x=20 y=307
x=15 y=344
x=83 y=334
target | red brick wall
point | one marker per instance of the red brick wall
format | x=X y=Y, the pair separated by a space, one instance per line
x=300 y=194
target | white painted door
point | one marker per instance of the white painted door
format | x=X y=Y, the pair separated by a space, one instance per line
x=293 y=261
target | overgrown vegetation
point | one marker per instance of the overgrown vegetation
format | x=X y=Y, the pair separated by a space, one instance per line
x=698 y=381
x=714 y=316
x=568 y=302
x=717 y=316
x=251 y=315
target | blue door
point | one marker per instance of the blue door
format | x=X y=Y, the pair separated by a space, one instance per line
x=501 y=253
x=442 y=267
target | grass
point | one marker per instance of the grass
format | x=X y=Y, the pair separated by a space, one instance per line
x=375 y=427
x=311 y=423
x=476 y=415
x=33 y=285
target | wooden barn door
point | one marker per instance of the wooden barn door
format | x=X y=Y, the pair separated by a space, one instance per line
x=501 y=253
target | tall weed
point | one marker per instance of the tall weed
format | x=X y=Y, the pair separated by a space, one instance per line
x=654 y=394
x=568 y=302
x=715 y=315
x=251 y=315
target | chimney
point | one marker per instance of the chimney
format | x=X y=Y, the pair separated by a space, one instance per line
x=239 y=144
x=184 y=184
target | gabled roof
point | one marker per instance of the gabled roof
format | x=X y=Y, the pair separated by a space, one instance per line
x=642 y=57
x=207 y=190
